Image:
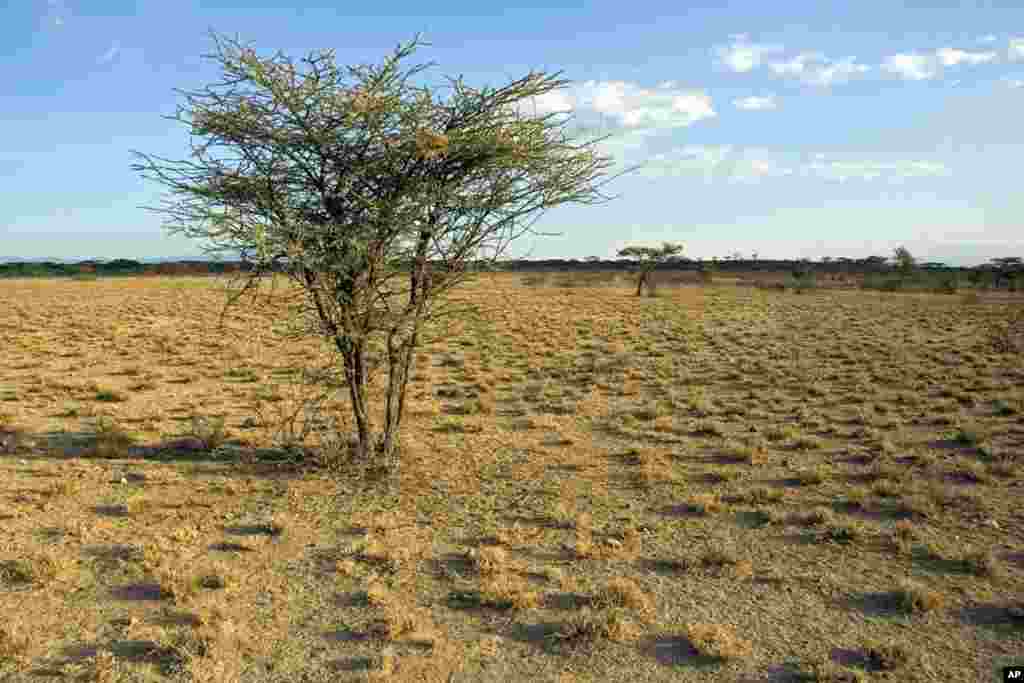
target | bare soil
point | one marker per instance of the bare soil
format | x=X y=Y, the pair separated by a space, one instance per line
x=719 y=483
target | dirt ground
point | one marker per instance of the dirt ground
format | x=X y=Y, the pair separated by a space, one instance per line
x=719 y=483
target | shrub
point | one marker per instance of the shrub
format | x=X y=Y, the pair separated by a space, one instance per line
x=915 y=598
x=718 y=641
x=948 y=284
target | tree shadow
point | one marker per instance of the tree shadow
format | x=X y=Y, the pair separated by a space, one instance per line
x=1006 y=620
x=353 y=665
x=875 y=604
x=239 y=456
x=116 y=510
x=139 y=592
x=267 y=529
x=167 y=659
x=676 y=651
x=229 y=547
x=663 y=567
x=346 y=635
x=540 y=635
x=113 y=555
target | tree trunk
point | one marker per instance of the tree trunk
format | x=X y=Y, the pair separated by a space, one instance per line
x=354 y=355
x=401 y=352
x=640 y=282
x=400 y=359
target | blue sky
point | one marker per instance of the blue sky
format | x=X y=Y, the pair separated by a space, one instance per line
x=791 y=129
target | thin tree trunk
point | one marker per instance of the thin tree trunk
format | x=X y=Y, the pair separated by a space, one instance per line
x=354 y=355
x=402 y=353
x=400 y=358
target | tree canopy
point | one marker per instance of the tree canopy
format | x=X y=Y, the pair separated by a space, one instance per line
x=375 y=195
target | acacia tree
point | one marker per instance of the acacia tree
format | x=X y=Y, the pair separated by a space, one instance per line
x=650 y=257
x=1008 y=269
x=904 y=261
x=375 y=196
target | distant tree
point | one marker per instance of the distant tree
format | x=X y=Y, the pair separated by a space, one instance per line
x=803 y=270
x=1008 y=269
x=904 y=260
x=649 y=258
x=339 y=176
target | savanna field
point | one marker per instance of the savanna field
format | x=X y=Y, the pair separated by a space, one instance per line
x=720 y=483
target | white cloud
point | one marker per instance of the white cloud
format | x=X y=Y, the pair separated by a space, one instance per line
x=618 y=107
x=814 y=68
x=687 y=160
x=628 y=146
x=751 y=165
x=951 y=56
x=840 y=71
x=629 y=105
x=987 y=39
x=111 y=52
x=1015 y=51
x=741 y=55
x=872 y=170
x=912 y=67
x=797 y=65
x=921 y=67
x=755 y=103
x=1013 y=82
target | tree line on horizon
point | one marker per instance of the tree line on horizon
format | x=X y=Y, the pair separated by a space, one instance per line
x=845 y=265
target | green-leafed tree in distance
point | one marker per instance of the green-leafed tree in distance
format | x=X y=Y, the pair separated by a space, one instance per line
x=904 y=260
x=650 y=257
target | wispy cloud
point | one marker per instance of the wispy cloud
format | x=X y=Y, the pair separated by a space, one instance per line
x=814 y=68
x=843 y=170
x=732 y=164
x=987 y=39
x=912 y=67
x=625 y=105
x=706 y=160
x=741 y=55
x=839 y=71
x=797 y=65
x=1015 y=50
x=920 y=66
x=110 y=54
x=950 y=56
x=754 y=165
x=755 y=103
x=1013 y=82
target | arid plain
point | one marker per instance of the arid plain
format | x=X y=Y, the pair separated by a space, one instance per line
x=720 y=483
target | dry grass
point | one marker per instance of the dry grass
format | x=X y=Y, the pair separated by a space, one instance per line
x=718 y=641
x=580 y=468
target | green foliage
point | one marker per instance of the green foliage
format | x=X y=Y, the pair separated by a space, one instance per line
x=649 y=258
x=904 y=260
x=803 y=278
x=353 y=182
